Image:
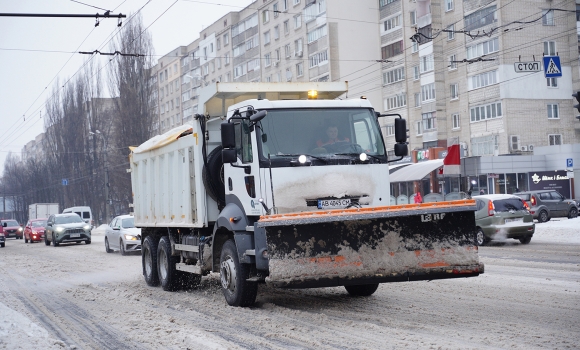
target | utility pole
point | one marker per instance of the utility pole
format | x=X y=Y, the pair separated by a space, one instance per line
x=97 y=132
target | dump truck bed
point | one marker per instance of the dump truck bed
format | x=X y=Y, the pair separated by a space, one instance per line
x=374 y=245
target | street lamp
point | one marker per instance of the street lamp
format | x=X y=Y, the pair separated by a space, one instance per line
x=98 y=133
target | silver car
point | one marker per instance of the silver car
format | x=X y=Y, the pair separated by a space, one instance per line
x=122 y=235
x=66 y=228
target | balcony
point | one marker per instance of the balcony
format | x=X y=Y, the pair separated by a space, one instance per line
x=430 y=135
x=424 y=21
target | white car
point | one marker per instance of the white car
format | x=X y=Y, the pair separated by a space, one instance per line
x=122 y=235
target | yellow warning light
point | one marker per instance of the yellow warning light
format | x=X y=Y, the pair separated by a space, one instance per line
x=312 y=94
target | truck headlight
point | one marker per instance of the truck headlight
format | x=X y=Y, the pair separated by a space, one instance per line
x=130 y=238
x=59 y=229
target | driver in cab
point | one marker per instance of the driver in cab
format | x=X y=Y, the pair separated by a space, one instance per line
x=331 y=137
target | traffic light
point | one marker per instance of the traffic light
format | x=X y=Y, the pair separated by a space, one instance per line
x=576 y=95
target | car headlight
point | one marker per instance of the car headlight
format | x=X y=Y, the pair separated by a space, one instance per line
x=87 y=227
x=130 y=238
x=59 y=229
x=20 y=229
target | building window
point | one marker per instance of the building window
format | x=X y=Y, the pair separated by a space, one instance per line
x=390 y=129
x=392 y=23
x=267 y=37
x=419 y=128
x=417 y=99
x=555 y=139
x=254 y=65
x=452 y=62
x=276 y=32
x=416 y=74
x=284 y=5
x=318 y=59
x=299 y=69
x=277 y=54
x=483 y=112
x=286 y=27
x=482 y=80
x=218 y=43
x=267 y=60
x=391 y=50
x=396 y=101
x=287 y=50
x=483 y=48
x=298 y=46
x=394 y=76
x=548 y=17
x=454 y=90
x=413 y=17
x=227 y=58
x=550 y=48
x=448 y=5
x=226 y=39
x=451 y=32
x=428 y=92
x=265 y=16
x=297 y=21
x=316 y=34
x=295 y=2
x=483 y=146
x=385 y=2
x=481 y=18
x=455 y=121
x=427 y=63
x=275 y=10
x=553 y=112
x=552 y=82
x=429 y=121
x=288 y=74
x=414 y=47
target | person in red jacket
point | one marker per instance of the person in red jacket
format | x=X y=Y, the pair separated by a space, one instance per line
x=418 y=198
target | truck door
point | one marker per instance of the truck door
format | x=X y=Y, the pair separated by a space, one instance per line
x=242 y=179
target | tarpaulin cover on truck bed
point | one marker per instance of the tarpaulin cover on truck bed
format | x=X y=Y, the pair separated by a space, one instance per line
x=163 y=139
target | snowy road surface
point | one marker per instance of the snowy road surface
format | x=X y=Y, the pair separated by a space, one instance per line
x=78 y=296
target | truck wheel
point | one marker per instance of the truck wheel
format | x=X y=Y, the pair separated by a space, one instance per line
x=107 y=248
x=525 y=240
x=149 y=261
x=480 y=238
x=54 y=242
x=122 y=247
x=362 y=290
x=573 y=213
x=237 y=290
x=543 y=216
x=166 y=266
x=213 y=176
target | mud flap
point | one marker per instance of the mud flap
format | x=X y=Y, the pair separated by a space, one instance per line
x=388 y=244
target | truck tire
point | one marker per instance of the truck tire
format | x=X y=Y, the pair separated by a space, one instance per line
x=362 y=290
x=213 y=180
x=149 y=261
x=168 y=276
x=233 y=275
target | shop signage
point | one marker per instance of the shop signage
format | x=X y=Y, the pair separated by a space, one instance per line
x=493 y=176
x=550 y=180
x=422 y=155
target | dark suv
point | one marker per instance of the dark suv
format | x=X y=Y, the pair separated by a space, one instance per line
x=547 y=204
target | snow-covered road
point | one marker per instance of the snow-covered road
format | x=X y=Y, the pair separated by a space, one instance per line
x=78 y=296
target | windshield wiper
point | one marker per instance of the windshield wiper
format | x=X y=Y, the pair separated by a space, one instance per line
x=303 y=154
x=357 y=154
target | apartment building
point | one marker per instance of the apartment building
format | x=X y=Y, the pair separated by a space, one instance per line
x=168 y=73
x=449 y=70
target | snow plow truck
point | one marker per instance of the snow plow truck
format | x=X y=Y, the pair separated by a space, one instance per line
x=254 y=189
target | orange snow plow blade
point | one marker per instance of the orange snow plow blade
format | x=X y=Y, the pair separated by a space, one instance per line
x=360 y=246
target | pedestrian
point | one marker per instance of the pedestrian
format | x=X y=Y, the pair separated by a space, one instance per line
x=482 y=191
x=418 y=198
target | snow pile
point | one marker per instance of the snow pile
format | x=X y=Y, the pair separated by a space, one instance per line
x=18 y=332
x=99 y=230
x=558 y=231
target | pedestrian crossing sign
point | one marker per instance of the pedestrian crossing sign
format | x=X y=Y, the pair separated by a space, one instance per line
x=552 y=66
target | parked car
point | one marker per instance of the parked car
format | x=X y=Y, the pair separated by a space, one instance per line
x=34 y=230
x=2 y=240
x=66 y=228
x=547 y=204
x=122 y=235
x=11 y=228
x=501 y=216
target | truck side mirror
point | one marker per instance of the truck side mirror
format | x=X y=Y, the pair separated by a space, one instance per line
x=229 y=156
x=228 y=135
x=401 y=149
x=258 y=116
x=400 y=130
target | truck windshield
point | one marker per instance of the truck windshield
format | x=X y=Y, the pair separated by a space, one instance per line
x=321 y=132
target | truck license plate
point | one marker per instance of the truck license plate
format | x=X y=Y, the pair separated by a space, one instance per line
x=75 y=235
x=333 y=203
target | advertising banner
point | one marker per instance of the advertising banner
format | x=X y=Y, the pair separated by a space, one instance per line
x=550 y=180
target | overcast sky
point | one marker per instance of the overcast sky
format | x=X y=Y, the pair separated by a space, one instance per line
x=35 y=53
